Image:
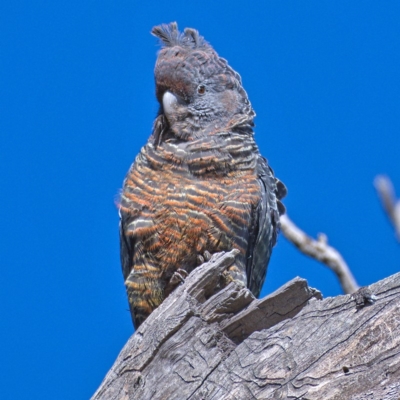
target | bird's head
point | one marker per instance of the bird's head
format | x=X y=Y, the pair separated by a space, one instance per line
x=198 y=92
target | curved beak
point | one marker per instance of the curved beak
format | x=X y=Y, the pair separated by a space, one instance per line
x=170 y=103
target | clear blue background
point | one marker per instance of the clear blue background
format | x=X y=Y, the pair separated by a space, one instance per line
x=77 y=103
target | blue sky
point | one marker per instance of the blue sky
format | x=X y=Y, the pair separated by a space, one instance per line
x=77 y=103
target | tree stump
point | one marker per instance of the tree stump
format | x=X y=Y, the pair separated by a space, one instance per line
x=205 y=342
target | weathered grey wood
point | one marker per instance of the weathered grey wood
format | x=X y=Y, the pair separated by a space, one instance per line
x=205 y=342
x=284 y=303
x=166 y=320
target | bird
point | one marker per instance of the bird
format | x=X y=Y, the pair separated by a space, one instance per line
x=199 y=185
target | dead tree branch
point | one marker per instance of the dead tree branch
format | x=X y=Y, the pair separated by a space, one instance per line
x=205 y=342
x=320 y=251
x=390 y=203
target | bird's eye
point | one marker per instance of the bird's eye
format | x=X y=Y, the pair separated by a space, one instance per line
x=201 y=89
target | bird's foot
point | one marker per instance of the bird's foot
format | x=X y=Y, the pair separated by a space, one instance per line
x=201 y=259
x=179 y=276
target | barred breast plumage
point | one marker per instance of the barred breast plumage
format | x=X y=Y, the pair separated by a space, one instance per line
x=200 y=184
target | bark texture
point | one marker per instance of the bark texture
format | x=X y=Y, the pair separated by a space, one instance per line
x=204 y=342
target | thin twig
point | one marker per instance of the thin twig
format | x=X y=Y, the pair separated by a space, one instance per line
x=320 y=251
x=390 y=204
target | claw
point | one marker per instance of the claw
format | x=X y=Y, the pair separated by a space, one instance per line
x=179 y=276
x=201 y=259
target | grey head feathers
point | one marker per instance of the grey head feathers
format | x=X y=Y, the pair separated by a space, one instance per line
x=170 y=36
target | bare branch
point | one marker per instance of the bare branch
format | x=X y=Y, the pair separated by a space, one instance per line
x=320 y=251
x=390 y=204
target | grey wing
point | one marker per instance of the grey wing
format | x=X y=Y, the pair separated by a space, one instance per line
x=265 y=226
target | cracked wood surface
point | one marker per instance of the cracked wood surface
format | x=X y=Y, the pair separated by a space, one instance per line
x=205 y=342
